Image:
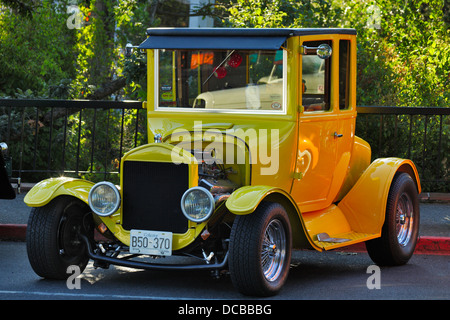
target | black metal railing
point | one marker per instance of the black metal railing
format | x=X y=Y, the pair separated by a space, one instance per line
x=86 y=138
x=421 y=134
x=76 y=138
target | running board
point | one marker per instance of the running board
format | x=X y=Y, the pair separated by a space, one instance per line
x=324 y=237
x=326 y=242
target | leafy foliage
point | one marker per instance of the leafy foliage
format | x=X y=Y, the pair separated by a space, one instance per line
x=35 y=52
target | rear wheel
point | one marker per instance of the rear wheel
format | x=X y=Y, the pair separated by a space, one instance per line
x=53 y=242
x=260 y=250
x=401 y=226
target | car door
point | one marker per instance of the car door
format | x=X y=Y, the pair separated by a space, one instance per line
x=325 y=122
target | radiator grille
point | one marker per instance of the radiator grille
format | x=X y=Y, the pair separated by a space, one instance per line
x=151 y=196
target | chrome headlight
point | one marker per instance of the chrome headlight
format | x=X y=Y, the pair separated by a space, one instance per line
x=104 y=198
x=197 y=204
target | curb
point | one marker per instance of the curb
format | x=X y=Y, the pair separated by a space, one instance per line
x=440 y=245
x=425 y=245
x=434 y=197
x=13 y=232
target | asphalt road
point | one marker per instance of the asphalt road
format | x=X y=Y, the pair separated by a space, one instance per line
x=317 y=276
x=314 y=275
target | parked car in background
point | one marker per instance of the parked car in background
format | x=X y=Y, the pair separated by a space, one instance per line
x=6 y=190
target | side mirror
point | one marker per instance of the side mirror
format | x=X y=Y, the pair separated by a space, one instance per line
x=323 y=51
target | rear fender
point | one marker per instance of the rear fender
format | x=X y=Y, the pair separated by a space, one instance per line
x=46 y=190
x=364 y=206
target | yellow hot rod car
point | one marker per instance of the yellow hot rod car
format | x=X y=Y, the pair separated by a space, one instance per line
x=253 y=154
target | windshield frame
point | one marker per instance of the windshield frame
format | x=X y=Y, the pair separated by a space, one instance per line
x=158 y=108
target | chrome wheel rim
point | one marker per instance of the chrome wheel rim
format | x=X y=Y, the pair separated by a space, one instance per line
x=404 y=219
x=273 y=251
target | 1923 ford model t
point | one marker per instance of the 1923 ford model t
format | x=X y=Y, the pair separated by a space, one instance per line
x=253 y=154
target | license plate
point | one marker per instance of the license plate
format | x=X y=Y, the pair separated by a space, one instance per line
x=151 y=242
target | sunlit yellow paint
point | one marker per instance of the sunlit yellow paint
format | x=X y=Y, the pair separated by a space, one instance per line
x=360 y=160
x=323 y=161
x=46 y=190
x=331 y=219
x=365 y=204
x=246 y=199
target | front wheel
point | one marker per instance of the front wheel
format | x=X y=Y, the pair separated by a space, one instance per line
x=53 y=242
x=260 y=250
x=401 y=226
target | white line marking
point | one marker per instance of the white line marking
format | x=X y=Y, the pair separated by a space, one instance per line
x=92 y=295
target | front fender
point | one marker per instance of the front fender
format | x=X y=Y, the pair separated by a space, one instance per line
x=365 y=204
x=48 y=189
x=245 y=199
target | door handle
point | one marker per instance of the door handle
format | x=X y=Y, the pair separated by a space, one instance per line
x=338 y=135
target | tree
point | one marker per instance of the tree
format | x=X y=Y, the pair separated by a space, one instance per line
x=36 y=47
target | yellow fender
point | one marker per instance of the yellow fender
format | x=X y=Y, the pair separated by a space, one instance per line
x=364 y=205
x=46 y=190
x=246 y=199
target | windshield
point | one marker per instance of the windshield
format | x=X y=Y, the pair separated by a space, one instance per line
x=221 y=79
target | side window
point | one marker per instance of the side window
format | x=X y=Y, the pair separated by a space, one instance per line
x=316 y=77
x=344 y=74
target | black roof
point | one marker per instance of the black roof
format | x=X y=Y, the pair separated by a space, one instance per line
x=228 y=38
